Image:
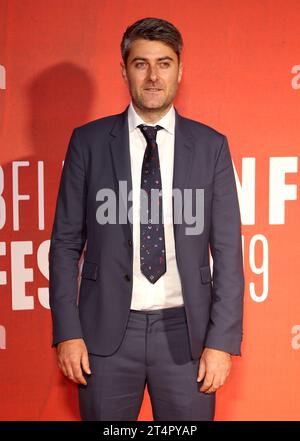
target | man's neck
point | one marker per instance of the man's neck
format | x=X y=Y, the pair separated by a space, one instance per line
x=151 y=117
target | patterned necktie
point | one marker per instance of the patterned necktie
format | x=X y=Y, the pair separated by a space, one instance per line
x=152 y=238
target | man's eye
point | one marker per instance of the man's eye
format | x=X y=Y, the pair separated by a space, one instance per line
x=163 y=64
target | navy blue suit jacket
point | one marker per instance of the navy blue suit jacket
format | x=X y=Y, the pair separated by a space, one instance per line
x=97 y=309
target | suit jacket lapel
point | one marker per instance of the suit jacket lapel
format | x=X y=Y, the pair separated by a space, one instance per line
x=183 y=159
x=119 y=145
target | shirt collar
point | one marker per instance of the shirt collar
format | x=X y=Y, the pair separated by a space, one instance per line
x=167 y=121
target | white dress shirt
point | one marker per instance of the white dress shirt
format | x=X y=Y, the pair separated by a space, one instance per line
x=167 y=291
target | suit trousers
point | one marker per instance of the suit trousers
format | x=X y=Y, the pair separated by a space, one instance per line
x=155 y=350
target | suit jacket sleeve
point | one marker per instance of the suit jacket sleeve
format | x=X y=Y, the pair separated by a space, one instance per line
x=67 y=242
x=226 y=316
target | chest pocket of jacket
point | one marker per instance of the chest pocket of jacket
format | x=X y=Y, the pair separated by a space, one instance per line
x=89 y=270
x=205 y=274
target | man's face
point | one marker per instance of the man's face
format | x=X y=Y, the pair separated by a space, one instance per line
x=152 y=74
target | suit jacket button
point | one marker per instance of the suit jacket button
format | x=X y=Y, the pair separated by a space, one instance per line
x=127 y=277
x=130 y=242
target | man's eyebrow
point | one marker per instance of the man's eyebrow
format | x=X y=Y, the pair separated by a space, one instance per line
x=145 y=59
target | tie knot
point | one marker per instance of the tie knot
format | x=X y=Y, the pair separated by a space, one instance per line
x=149 y=132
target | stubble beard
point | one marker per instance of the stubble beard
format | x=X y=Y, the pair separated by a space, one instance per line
x=140 y=104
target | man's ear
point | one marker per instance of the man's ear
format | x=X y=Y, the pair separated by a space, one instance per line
x=123 y=71
x=180 y=71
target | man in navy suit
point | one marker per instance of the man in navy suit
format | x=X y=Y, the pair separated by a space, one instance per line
x=149 y=310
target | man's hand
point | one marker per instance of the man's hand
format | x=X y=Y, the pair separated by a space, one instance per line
x=215 y=365
x=71 y=355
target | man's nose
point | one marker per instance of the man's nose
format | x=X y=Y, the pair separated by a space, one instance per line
x=152 y=73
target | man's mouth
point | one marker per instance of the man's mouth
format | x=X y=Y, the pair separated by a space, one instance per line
x=153 y=89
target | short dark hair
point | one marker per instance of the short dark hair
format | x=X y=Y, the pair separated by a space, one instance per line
x=151 y=28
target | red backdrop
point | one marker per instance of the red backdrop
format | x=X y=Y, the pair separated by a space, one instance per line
x=59 y=68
